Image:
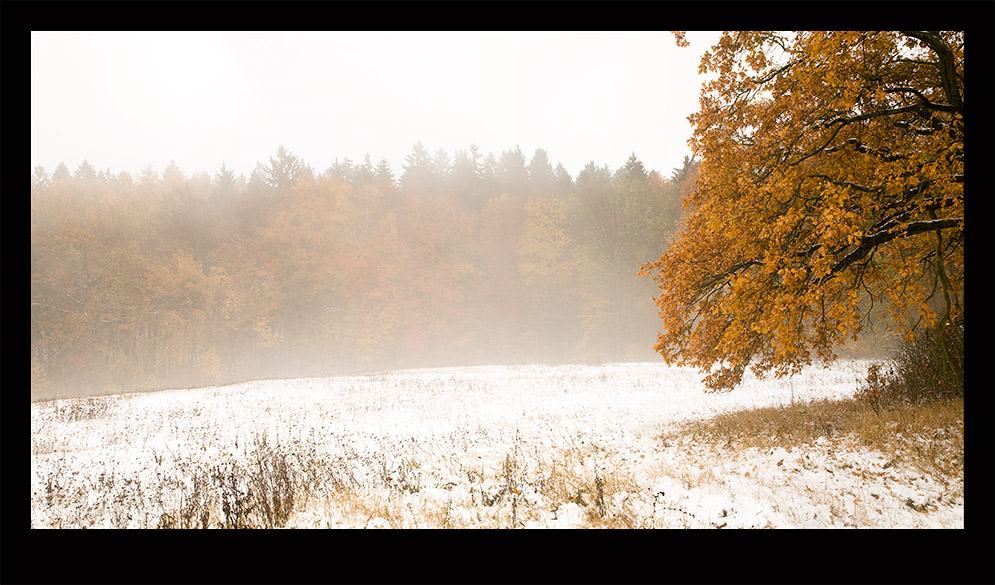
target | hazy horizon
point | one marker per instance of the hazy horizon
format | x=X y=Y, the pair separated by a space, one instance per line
x=128 y=100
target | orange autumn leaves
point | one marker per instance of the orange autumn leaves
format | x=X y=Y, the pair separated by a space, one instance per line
x=831 y=185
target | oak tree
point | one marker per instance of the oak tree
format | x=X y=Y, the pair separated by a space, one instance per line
x=831 y=184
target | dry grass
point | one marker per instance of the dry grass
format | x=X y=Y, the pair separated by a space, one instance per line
x=600 y=488
x=295 y=483
x=929 y=436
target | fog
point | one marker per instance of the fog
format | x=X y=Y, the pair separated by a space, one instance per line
x=128 y=100
x=210 y=207
x=168 y=280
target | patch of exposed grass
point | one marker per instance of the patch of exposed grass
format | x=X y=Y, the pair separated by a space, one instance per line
x=929 y=436
x=599 y=488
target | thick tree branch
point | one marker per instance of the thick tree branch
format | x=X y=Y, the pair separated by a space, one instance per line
x=935 y=126
x=707 y=283
x=888 y=224
x=883 y=153
x=946 y=65
x=851 y=185
x=870 y=115
x=869 y=243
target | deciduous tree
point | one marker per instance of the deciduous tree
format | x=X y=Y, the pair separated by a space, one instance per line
x=832 y=167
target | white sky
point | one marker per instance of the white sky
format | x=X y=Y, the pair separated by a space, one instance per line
x=125 y=100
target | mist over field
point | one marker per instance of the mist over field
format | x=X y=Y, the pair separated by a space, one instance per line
x=175 y=281
x=166 y=254
x=408 y=210
x=497 y=280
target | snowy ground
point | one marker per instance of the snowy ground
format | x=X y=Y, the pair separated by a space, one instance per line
x=522 y=446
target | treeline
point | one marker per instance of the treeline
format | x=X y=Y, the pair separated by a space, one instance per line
x=166 y=280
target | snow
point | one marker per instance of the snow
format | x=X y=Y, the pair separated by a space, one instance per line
x=526 y=446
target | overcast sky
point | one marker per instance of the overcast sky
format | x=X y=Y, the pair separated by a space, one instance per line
x=126 y=100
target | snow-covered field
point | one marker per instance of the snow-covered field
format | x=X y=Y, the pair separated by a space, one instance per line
x=516 y=446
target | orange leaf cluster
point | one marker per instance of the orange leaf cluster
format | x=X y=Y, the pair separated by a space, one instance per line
x=831 y=182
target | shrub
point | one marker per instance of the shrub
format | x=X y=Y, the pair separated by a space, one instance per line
x=932 y=366
x=195 y=506
x=929 y=368
x=262 y=493
x=271 y=480
x=237 y=499
x=881 y=388
x=80 y=409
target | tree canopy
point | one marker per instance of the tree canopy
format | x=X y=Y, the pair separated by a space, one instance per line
x=175 y=280
x=830 y=185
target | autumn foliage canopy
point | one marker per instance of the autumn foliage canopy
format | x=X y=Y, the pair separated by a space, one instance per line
x=830 y=187
x=164 y=280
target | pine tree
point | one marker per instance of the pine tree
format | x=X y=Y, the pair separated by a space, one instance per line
x=441 y=166
x=383 y=176
x=85 y=172
x=148 y=178
x=363 y=174
x=419 y=176
x=172 y=176
x=225 y=183
x=39 y=179
x=564 y=183
x=283 y=171
x=340 y=171
x=465 y=181
x=542 y=178
x=511 y=174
